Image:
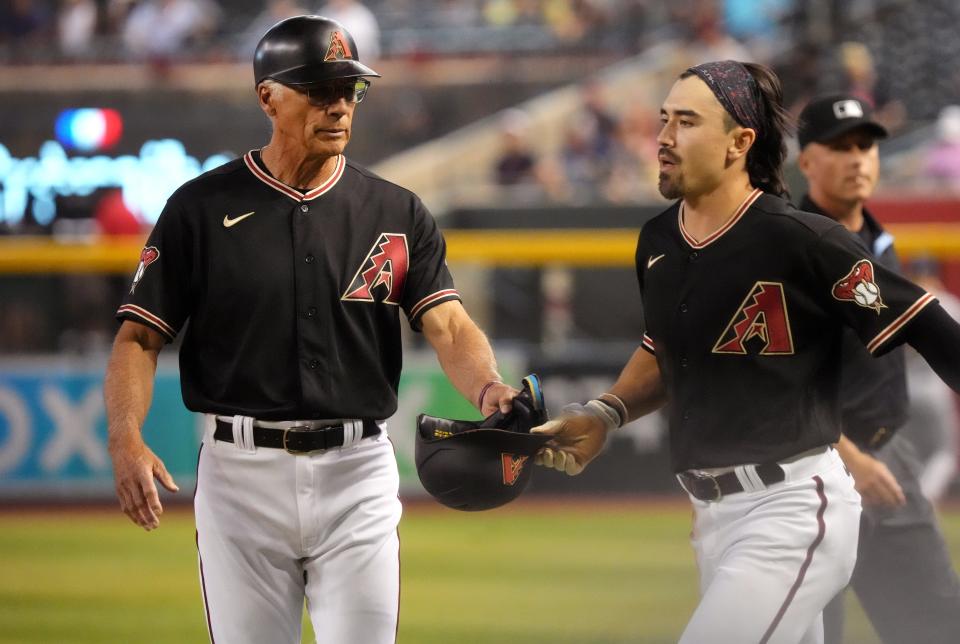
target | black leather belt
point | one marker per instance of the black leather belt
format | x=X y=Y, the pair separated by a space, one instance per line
x=299 y=439
x=712 y=488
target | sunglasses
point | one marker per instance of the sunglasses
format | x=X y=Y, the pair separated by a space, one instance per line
x=321 y=95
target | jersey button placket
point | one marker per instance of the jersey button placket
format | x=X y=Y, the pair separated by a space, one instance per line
x=304 y=208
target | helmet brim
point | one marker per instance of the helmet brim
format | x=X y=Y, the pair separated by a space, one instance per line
x=312 y=74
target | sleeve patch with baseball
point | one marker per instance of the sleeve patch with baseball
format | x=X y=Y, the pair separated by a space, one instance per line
x=874 y=301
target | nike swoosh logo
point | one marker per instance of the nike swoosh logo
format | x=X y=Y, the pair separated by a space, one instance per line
x=227 y=222
x=653 y=260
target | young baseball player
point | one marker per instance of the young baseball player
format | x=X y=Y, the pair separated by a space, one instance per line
x=903 y=576
x=745 y=301
x=292 y=265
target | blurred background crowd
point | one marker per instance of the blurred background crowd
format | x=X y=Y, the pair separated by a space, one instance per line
x=499 y=113
x=899 y=56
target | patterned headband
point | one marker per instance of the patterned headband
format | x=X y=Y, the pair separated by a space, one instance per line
x=736 y=90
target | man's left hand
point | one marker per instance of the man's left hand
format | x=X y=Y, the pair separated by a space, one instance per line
x=499 y=397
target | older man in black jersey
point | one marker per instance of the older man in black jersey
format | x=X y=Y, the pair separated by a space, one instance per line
x=292 y=265
x=745 y=301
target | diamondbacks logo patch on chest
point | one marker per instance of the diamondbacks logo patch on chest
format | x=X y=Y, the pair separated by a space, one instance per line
x=512 y=467
x=384 y=271
x=761 y=321
x=148 y=255
x=859 y=286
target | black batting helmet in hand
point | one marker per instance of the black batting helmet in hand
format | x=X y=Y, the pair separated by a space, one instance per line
x=306 y=50
x=483 y=464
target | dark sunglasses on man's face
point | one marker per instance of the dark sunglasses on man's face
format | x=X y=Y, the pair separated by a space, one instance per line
x=320 y=95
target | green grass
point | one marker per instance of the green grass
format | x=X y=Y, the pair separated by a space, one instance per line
x=532 y=573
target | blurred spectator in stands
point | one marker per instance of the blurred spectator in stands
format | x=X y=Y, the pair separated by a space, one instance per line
x=709 y=37
x=359 y=21
x=516 y=163
x=633 y=175
x=598 y=120
x=862 y=81
x=76 y=27
x=942 y=162
x=588 y=149
x=274 y=12
x=933 y=425
x=24 y=23
x=163 y=30
x=581 y=173
x=580 y=21
x=518 y=168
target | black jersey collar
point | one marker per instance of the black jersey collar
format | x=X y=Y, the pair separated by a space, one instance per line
x=293 y=193
x=714 y=236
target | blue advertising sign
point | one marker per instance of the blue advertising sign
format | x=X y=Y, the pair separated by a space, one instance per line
x=53 y=431
x=53 y=426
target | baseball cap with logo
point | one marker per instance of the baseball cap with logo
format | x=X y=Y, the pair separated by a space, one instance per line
x=827 y=117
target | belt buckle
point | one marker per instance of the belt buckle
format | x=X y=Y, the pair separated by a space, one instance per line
x=699 y=478
x=296 y=429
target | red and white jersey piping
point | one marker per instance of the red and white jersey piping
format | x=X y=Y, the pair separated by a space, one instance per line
x=448 y=293
x=892 y=328
x=714 y=236
x=147 y=316
x=294 y=194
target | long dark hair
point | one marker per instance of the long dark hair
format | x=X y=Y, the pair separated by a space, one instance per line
x=767 y=154
x=765 y=158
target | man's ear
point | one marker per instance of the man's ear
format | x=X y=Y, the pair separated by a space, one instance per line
x=266 y=94
x=743 y=138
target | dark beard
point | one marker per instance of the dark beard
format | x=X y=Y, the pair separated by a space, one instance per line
x=668 y=188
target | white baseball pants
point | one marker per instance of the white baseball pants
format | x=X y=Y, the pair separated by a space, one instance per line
x=771 y=558
x=275 y=528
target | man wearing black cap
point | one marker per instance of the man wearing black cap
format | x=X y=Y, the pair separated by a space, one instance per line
x=903 y=577
x=291 y=265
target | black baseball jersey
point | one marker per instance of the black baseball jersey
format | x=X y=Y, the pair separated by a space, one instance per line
x=292 y=298
x=747 y=324
x=874 y=401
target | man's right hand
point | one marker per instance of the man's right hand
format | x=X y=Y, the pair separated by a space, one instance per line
x=577 y=440
x=875 y=482
x=134 y=468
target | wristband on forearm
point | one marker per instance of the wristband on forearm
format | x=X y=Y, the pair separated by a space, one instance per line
x=617 y=403
x=483 y=392
x=606 y=412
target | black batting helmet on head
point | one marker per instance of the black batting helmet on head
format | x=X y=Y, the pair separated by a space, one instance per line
x=479 y=465
x=306 y=50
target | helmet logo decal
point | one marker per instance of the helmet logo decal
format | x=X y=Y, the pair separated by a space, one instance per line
x=338 y=48
x=762 y=315
x=148 y=255
x=859 y=286
x=384 y=266
x=512 y=467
